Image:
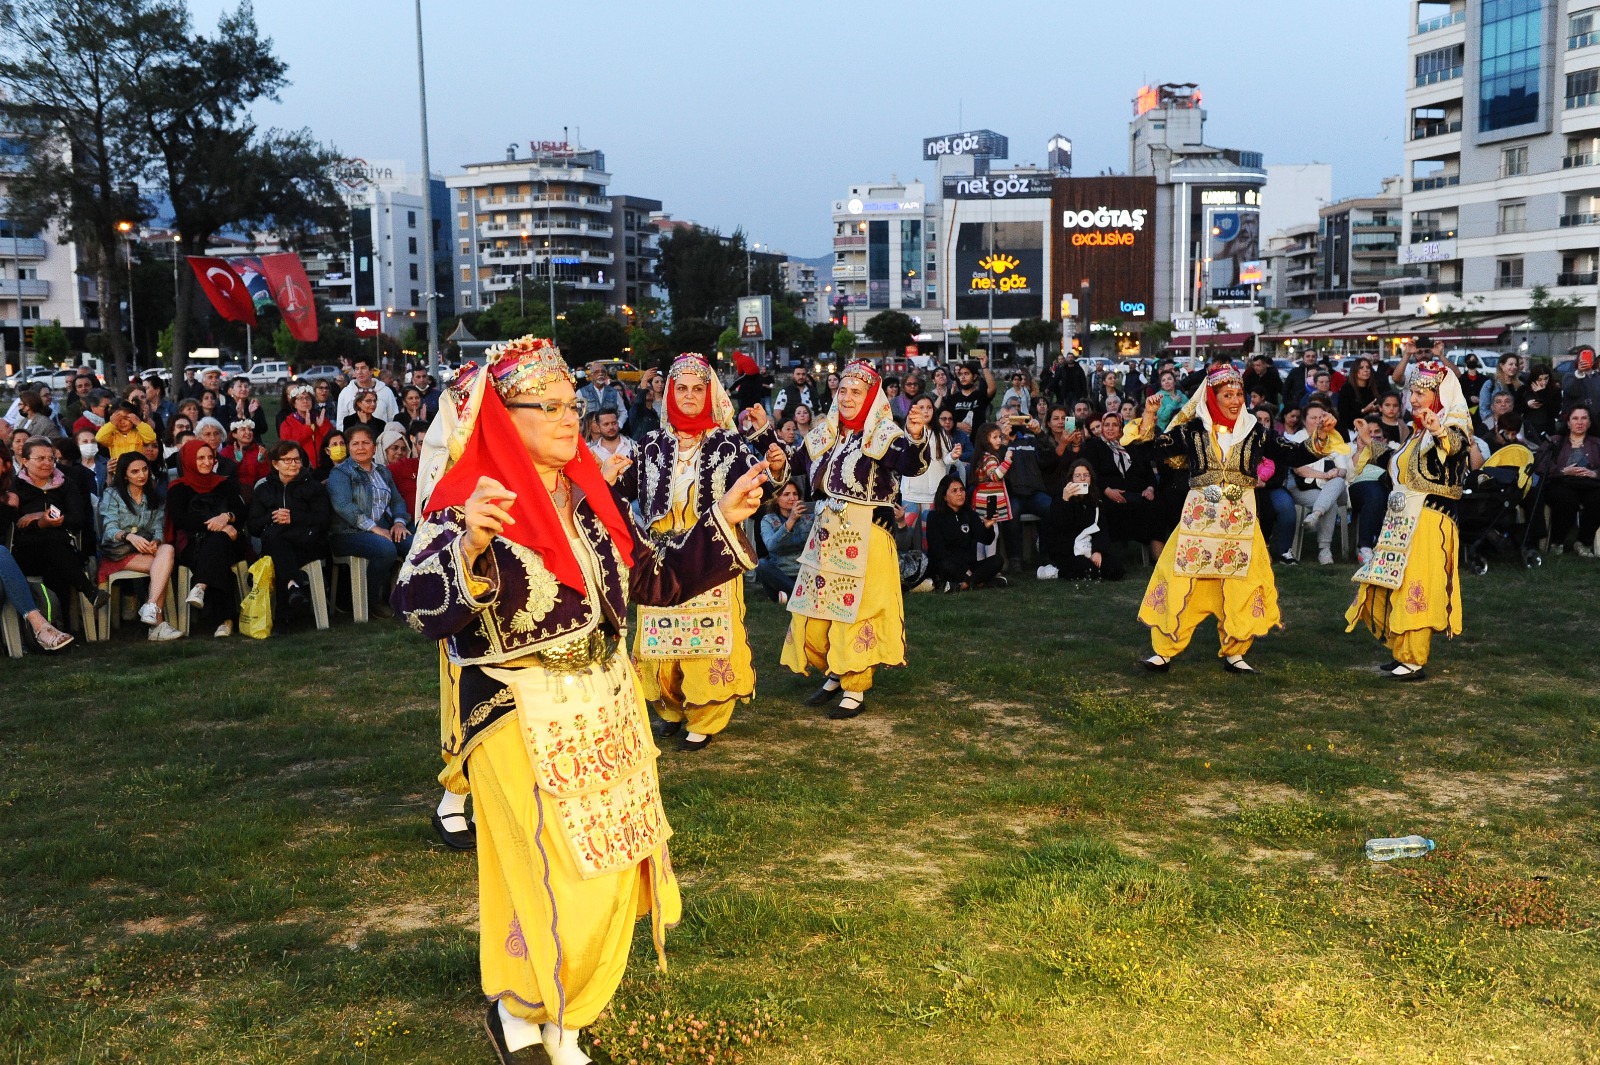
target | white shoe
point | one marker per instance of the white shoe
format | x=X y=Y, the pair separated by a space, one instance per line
x=1325 y=557
x=1583 y=551
x=224 y=630
x=1363 y=555
x=196 y=596
x=926 y=585
x=150 y=614
x=162 y=632
x=1047 y=573
x=561 y=1046
x=783 y=598
x=1556 y=549
x=1311 y=519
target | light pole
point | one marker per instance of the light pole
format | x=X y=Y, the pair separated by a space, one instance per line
x=522 y=273
x=748 y=248
x=427 y=209
x=126 y=229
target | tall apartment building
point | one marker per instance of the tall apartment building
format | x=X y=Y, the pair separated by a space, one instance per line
x=885 y=253
x=636 y=246
x=1502 y=154
x=1208 y=202
x=800 y=279
x=39 y=279
x=1293 y=268
x=543 y=221
x=1360 y=247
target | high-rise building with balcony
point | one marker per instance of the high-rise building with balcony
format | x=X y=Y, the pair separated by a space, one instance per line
x=1360 y=247
x=885 y=239
x=1502 y=184
x=636 y=245
x=39 y=280
x=543 y=222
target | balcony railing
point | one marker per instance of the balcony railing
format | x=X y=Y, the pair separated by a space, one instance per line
x=1583 y=99
x=1428 y=236
x=1374 y=225
x=589 y=284
x=1513 y=281
x=1437 y=76
x=1454 y=18
x=1568 y=278
x=850 y=242
x=27 y=288
x=1582 y=40
x=1424 y=130
x=1568 y=162
x=1519 y=225
x=1586 y=219
x=22 y=248
x=1442 y=182
x=1375 y=249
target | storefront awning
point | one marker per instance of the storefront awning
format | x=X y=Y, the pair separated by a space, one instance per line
x=1359 y=327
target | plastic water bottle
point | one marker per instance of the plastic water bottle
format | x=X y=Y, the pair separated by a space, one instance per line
x=1383 y=850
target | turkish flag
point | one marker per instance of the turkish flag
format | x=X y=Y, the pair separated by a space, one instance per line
x=291 y=291
x=224 y=288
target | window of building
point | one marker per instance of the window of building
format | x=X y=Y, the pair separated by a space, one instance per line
x=466 y=298
x=463 y=195
x=411 y=245
x=878 y=265
x=1441 y=64
x=1583 y=88
x=411 y=219
x=466 y=273
x=1514 y=161
x=416 y=298
x=1509 y=46
x=461 y=222
x=1577 y=268
x=413 y=271
x=1508 y=272
x=466 y=247
x=31 y=313
x=1581 y=29
x=1513 y=217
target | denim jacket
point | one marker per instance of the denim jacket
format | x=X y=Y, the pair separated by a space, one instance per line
x=117 y=519
x=350 y=489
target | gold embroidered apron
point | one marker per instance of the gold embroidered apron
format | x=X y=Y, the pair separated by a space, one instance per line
x=699 y=628
x=1387 y=566
x=833 y=566
x=1217 y=532
x=591 y=752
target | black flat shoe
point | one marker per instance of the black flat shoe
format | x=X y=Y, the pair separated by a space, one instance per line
x=497 y=1036
x=686 y=744
x=821 y=696
x=456 y=841
x=1404 y=678
x=664 y=729
x=101 y=599
x=1389 y=666
x=1241 y=667
x=845 y=713
x=1156 y=667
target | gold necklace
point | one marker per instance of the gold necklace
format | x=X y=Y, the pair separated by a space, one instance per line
x=561 y=495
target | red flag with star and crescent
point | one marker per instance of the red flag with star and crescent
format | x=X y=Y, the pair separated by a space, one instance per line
x=291 y=291
x=225 y=289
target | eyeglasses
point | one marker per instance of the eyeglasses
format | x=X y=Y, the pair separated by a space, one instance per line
x=289 y=460
x=554 y=409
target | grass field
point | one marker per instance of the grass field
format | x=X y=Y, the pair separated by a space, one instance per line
x=1027 y=850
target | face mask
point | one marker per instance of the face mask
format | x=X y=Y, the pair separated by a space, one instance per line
x=89 y=450
x=338 y=452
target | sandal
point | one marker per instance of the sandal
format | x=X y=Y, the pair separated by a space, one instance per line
x=50 y=638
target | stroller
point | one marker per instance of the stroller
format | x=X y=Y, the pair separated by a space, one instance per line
x=1495 y=513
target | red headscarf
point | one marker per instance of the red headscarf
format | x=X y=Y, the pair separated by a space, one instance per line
x=1218 y=417
x=856 y=424
x=496 y=450
x=189 y=469
x=683 y=423
x=745 y=364
x=1433 y=405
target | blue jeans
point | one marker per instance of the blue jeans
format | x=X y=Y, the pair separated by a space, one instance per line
x=772 y=579
x=14 y=586
x=1035 y=503
x=382 y=555
x=1283 y=521
x=1369 y=499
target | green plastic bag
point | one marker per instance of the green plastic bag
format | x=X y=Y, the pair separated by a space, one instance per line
x=255 y=610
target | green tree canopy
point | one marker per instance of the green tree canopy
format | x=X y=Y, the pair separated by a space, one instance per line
x=1035 y=333
x=891 y=330
x=844 y=343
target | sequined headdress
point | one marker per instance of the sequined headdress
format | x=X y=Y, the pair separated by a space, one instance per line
x=862 y=372
x=1222 y=375
x=1431 y=374
x=527 y=364
x=719 y=408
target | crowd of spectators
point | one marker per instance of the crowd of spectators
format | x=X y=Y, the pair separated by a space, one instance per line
x=100 y=480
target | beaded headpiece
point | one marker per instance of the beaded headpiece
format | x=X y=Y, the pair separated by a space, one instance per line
x=691 y=362
x=460 y=387
x=527 y=364
x=1223 y=375
x=862 y=372
x=719 y=407
x=1431 y=374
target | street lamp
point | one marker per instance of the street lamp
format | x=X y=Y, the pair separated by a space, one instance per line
x=126 y=229
x=522 y=272
x=748 y=248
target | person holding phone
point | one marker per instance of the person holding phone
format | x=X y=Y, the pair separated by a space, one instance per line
x=1570 y=465
x=847 y=614
x=694 y=659
x=1076 y=547
x=955 y=532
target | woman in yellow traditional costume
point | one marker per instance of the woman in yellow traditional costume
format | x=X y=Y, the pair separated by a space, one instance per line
x=1411 y=587
x=848 y=614
x=1215 y=563
x=694 y=659
x=523 y=568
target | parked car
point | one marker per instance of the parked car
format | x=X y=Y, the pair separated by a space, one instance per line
x=319 y=373
x=267 y=373
x=622 y=371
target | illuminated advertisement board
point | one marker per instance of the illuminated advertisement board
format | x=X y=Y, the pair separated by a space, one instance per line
x=979 y=142
x=1103 y=230
x=1002 y=261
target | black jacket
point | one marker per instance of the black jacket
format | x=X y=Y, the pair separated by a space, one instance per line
x=310 y=511
x=953 y=539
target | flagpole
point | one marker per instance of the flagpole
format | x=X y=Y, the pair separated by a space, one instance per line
x=249 y=353
x=427 y=211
